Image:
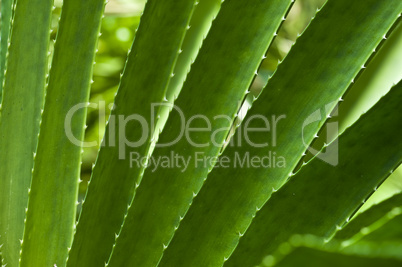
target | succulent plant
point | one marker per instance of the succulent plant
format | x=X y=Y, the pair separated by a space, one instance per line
x=183 y=177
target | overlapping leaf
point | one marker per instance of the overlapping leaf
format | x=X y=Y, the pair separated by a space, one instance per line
x=320 y=198
x=310 y=81
x=210 y=98
x=54 y=188
x=22 y=102
x=147 y=73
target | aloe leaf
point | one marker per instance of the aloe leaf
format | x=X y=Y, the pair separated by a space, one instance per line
x=369 y=217
x=23 y=95
x=306 y=251
x=6 y=15
x=390 y=231
x=311 y=79
x=385 y=230
x=201 y=20
x=54 y=188
x=390 y=187
x=224 y=69
x=320 y=198
x=376 y=80
x=147 y=73
x=382 y=72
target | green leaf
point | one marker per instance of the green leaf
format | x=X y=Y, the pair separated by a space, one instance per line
x=54 y=189
x=320 y=198
x=390 y=187
x=314 y=75
x=384 y=230
x=200 y=22
x=6 y=15
x=381 y=74
x=376 y=80
x=369 y=217
x=23 y=96
x=218 y=81
x=145 y=80
x=307 y=251
x=390 y=231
